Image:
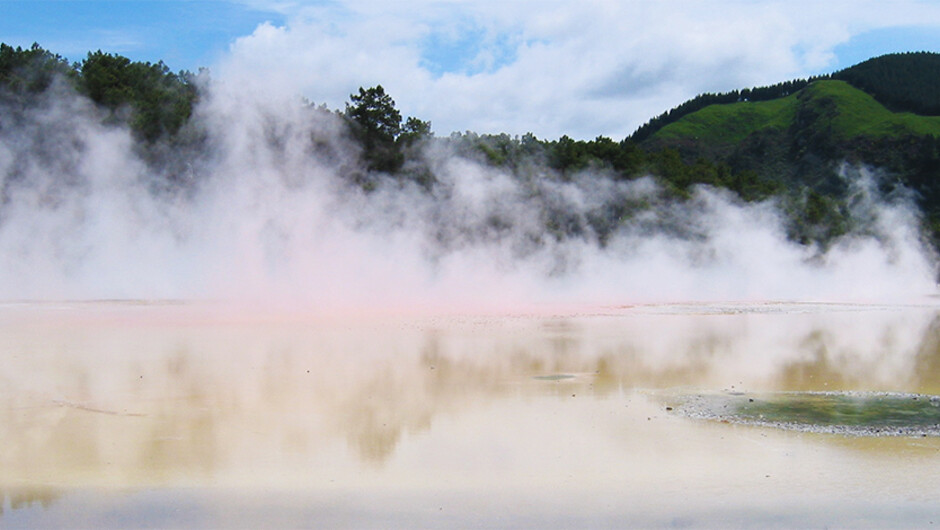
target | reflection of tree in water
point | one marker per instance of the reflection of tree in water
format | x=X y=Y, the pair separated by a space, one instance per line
x=927 y=371
x=40 y=440
x=379 y=411
x=20 y=498
x=98 y=437
x=182 y=432
x=396 y=399
x=820 y=364
x=816 y=370
x=399 y=398
x=207 y=402
x=626 y=367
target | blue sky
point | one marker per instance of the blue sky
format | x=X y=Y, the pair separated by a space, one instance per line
x=887 y=40
x=183 y=34
x=556 y=67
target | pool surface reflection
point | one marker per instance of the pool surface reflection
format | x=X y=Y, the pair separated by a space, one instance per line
x=120 y=414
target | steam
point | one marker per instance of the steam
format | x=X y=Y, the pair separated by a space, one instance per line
x=270 y=211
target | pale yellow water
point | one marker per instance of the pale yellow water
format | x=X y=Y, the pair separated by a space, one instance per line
x=182 y=415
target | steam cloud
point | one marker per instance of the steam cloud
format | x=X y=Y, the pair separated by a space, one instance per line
x=267 y=213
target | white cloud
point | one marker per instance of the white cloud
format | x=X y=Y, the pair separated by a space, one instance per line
x=573 y=67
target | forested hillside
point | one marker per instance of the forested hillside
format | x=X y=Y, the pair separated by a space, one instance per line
x=903 y=82
x=791 y=142
x=803 y=140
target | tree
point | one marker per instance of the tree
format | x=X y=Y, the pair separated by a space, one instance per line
x=568 y=154
x=29 y=71
x=374 y=112
x=414 y=132
x=376 y=124
x=161 y=101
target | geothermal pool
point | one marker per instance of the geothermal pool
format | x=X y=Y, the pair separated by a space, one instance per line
x=134 y=414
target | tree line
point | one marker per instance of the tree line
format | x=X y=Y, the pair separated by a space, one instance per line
x=160 y=101
x=903 y=82
x=157 y=105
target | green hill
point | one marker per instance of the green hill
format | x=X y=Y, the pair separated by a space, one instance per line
x=845 y=111
x=801 y=140
x=902 y=82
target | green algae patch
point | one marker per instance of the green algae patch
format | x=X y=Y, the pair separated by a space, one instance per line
x=850 y=413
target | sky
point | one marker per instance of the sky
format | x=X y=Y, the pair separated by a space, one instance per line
x=580 y=68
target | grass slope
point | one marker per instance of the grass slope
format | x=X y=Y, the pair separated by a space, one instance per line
x=859 y=114
x=844 y=110
x=730 y=123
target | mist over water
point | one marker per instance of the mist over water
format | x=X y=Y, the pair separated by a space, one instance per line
x=270 y=212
